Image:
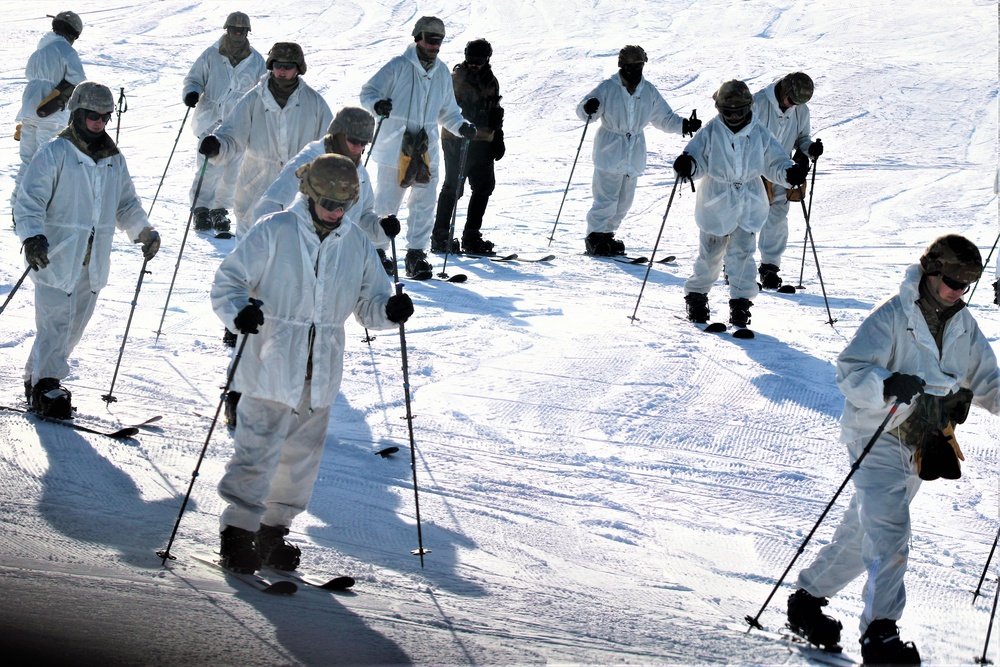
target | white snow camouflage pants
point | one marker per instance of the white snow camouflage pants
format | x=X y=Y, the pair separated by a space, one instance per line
x=60 y=320
x=34 y=134
x=737 y=251
x=218 y=187
x=874 y=533
x=420 y=204
x=271 y=475
x=774 y=234
x=613 y=196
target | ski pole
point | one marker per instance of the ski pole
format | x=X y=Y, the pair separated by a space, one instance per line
x=459 y=186
x=989 y=629
x=975 y=593
x=754 y=621
x=180 y=251
x=122 y=108
x=165 y=553
x=168 y=162
x=653 y=254
x=985 y=264
x=420 y=550
x=807 y=213
x=566 y=191
x=16 y=285
x=110 y=397
x=371 y=146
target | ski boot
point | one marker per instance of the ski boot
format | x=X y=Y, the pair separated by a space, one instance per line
x=387 y=263
x=807 y=620
x=239 y=550
x=229 y=338
x=442 y=246
x=599 y=244
x=274 y=550
x=881 y=645
x=51 y=399
x=27 y=390
x=739 y=312
x=417 y=266
x=697 y=307
x=202 y=219
x=617 y=247
x=477 y=245
x=232 y=400
x=220 y=219
x=769 y=278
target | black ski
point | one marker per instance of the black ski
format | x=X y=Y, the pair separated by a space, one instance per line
x=445 y=278
x=707 y=327
x=126 y=432
x=666 y=260
x=547 y=258
x=341 y=583
x=625 y=259
x=224 y=235
x=493 y=258
x=283 y=587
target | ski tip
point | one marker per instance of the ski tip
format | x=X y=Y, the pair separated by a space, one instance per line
x=458 y=278
x=547 y=258
x=280 y=588
x=666 y=260
x=127 y=432
x=716 y=327
x=786 y=289
x=339 y=584
x=224 y=235
x=743 y=333
x=387 y=452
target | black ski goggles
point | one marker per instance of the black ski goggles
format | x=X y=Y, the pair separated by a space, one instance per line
x=334 y=205
x=955 y=284
x=734 y=114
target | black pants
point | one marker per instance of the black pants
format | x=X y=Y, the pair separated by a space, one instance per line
x=480 y=178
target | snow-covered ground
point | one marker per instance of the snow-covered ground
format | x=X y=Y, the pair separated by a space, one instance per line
x=592 y=490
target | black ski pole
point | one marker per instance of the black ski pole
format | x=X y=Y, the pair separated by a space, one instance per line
x=122 y=108
x=110 y=397
x=168 y=162
x=807 y=213
x=180 y=251
x=989 y=629
x=754 y=621
x=989 y=559
x=566 y=191
x=371 y=146
x=986 y=263
x=165 y=553
x=653 y=254
x=420 y=550
x=16 y=286
x=459 y=186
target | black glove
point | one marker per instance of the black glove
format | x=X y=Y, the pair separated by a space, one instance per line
x=496 y=117
x=150 y=240
x=210 y=146
x=398 y=308
x=248 y=319
x=903 y=387
x=690 y=126
x=390 y=225
x=191 y=99
x=996 y=292
x=684 y=165
x=591 y=106
x=36 y=252
x=801 y=159
x=499 y=147
x=383 y=107
x=468 y=131
x=816 y=148
x=795 y=175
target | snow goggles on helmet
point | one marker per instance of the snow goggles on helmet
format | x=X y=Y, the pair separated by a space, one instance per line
x=433 y=40
x=333 y=205
x=280 y=64
x=956 y=285
x=93 y=116
x=734 y=114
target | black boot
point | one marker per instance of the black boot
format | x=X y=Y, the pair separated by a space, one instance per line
x=477 y=245
x=442 y=245
x=769 y=278
x=617 y=247
x=202 y=219
x=881 y=645
x=239 y=550
x=599 y=244
x=27 y=391
x=232 y=400
x=274 y=550
x=739 y=312
x=417 y=266
x=229 y=338
x=806 y=619
x=220 y=219
x=697 y=307
x=51 y=399
x=387 y=263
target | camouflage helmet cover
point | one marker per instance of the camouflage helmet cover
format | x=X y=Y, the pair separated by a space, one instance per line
x=92 y=96
x=631 y=55
x=237 y=20
x=953 y=256
x=798 y=86
x=354 y=123
x=329 y=177
x=428 y=24
x=288 y=52
x=732 y=94
x=69 y=18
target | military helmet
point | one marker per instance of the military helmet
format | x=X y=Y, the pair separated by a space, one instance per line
x=354 y=123
x=953 y=256
x=287 y=52
x=631 y=55
x=332 y=177
x=68 y=20
x=92 y=96
x=237 y=20
x=429 y=24
x=733 y=94
x=798 y=87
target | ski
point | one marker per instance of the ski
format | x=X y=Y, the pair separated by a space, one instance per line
x=445 y=278
x=493 y=258
x=224 y=235
x=547 y=258
x=834 y=657
x=666 y=260
x=707 y=327
x=341 y=583
x=625 y=259
x=283 y=587
x=126 y=432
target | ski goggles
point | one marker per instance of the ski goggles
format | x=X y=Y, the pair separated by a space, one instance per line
x=433 y=40
x=334 y=205
x=955 y=284
x=94 y=116
x=734 y=114
x=283 y=65
x=233 y=30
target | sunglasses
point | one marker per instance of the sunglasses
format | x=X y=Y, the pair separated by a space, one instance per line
x=236 y=31
x=955 y=285
x=433 y=40
x=357 y=142
x=283 y=65
x=333 y=205
x=94 y=116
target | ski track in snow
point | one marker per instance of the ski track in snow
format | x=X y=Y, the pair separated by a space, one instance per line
x=592 y=490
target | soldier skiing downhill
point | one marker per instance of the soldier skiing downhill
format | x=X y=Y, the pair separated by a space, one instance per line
x=922 y=348
x=781 y=108
x=217 y=80
x=290 y=284
x=53 y=70
x=76 y=191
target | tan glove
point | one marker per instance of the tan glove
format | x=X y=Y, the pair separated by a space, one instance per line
x=17 y=132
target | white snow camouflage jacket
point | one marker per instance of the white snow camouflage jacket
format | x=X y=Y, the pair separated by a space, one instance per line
x=729 y=165
x=420 y=99
x=790 y=128
x=895 y=338
x=219 y=85
x=54 y=60
x=620 y=143
x=306 y=286
x=66 y=196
